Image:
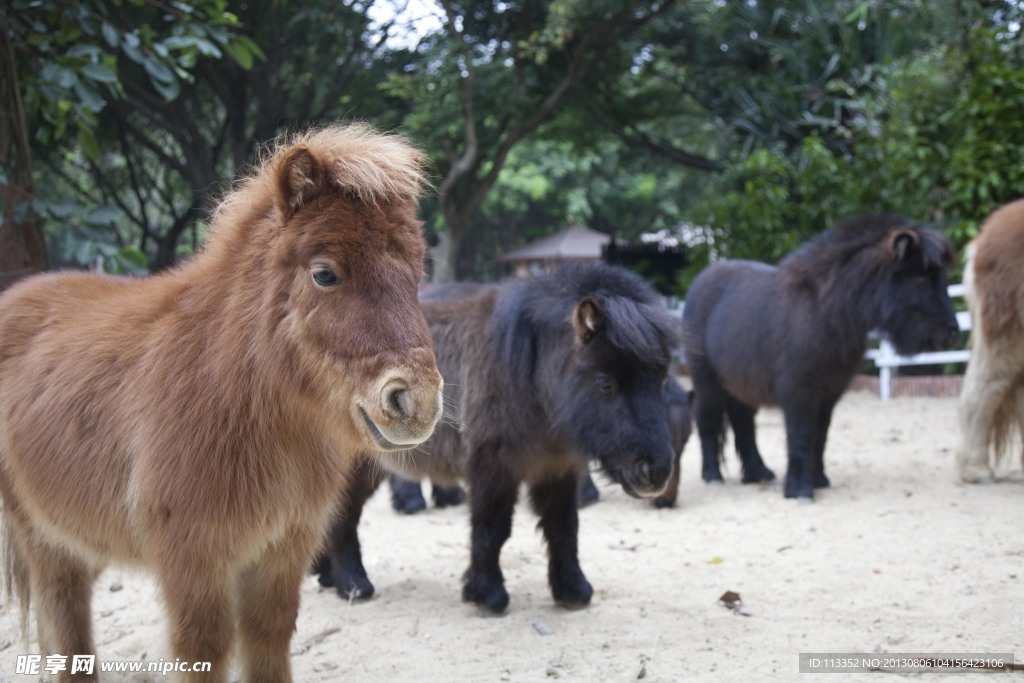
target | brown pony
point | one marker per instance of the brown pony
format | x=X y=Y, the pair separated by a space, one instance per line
x=201 y=422
x=992 y=400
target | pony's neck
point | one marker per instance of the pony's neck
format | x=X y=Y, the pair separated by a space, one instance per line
x=849 y=311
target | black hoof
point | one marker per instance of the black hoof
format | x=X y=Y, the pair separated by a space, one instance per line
x=354 y=588
x=573 y=597
x=447 y=496
x=798 y=492
x=406 y=496
x=665 y=502
x=488 y=594
x=821 y=481
x=758 y=475
x=713 y=478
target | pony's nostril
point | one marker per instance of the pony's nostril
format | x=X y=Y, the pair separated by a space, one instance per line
x=397 y=402
x=642 y=472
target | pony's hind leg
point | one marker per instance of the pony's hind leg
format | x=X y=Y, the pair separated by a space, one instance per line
x=555 y=504
x=710 y=417
x=267 y=599
x=819 y=478
x=741 y=417
x=987 y=386
x=61 y=586
x=341 y=565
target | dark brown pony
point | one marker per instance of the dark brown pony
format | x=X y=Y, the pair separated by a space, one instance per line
x=992 y=400
x=795 y=335
x=201 y=422
x=542 y=374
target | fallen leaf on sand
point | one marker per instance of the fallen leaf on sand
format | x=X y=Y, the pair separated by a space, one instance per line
x=732 y=601
x=715 y=560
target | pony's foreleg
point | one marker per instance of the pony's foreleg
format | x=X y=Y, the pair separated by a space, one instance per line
x=267 y=595
x=199 y=608
x=61 y=586
x=801 y=440
x=341 y=565
x=492 y=500
x=555 y=503
x=680 y=426
x=741 y=417
x=987 y=384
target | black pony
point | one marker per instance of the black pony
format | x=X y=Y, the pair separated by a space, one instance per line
x=795 y=335
x=539 y=374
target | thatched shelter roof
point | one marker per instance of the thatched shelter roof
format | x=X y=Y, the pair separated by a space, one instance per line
x=572 y=243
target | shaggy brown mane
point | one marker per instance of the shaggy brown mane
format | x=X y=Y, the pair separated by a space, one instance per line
x=372 y=167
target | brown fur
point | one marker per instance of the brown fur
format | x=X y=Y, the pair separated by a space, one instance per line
x=201 y=422
x=992 y=400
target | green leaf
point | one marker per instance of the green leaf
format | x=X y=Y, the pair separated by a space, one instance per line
x=133 y=260
x=241 y=54
x=251 y=45
x=169 y=91
x=84 y=253
x=89 y=96
x=87 y=141
x=85 y=50
x=111 y=34
x=104 y=215
x=158 y=71
x=100 y=72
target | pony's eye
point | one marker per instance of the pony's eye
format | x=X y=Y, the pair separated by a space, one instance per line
x=604 y=383
x=324 y=276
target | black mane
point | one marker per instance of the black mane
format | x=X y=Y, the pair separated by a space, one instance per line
x=636 y=323
x=834 y=248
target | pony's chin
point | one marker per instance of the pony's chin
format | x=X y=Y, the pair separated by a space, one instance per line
x=379 y=439
x=641 y=492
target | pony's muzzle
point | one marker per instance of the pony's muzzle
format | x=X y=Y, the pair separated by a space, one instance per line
x=646 y=479
x=406 y=412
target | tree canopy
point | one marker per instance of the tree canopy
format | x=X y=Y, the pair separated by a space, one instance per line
x=745 y=127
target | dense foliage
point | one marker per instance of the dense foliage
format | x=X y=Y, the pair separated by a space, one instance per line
x=743 y=126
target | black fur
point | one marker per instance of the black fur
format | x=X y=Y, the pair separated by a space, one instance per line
x=795 y=335
x=539 y=374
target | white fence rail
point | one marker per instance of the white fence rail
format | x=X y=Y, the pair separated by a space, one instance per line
x=885 y=357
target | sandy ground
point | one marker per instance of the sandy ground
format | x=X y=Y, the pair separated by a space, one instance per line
x=896 y=557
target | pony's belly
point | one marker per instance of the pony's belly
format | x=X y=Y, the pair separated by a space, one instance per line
x=752 y=392
x=98 y=542
x=417 y=464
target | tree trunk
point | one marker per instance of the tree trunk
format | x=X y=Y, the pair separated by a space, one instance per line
x=444 y=258
x=22 y=247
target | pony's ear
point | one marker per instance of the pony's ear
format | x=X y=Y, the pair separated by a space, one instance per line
x=298 y=179
x=902 y=243
x=587 y=319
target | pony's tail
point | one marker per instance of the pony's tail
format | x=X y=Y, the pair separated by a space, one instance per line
x=15 y=577
x=1007 y=418
x=1004 y=423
